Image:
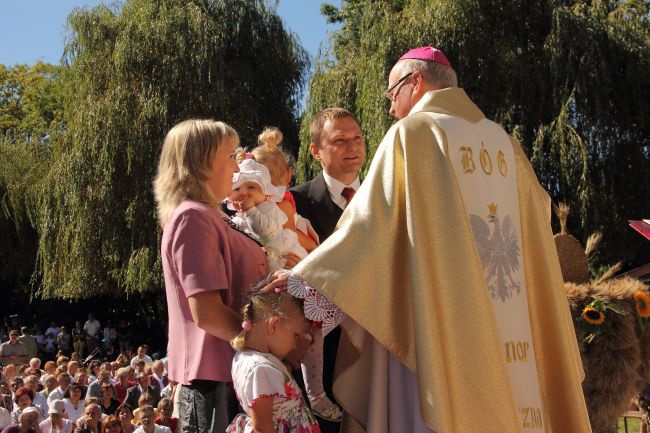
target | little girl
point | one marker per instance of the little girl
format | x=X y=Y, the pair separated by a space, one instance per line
x=265 y=389
x=270 y=153
x=274 y=160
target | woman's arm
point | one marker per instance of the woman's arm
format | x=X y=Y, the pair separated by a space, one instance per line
x=213 y=316
x=262 y=414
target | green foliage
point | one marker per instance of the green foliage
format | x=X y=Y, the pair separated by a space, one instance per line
x=30 y=120
x=568 y=79
x=30 y=101
x=134 y=70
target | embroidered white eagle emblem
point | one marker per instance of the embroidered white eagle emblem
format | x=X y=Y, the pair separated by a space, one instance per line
x=499 y=252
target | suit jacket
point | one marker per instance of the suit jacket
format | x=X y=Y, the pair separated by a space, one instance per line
x=155 y=383
x=133 y=395
x=313 y=201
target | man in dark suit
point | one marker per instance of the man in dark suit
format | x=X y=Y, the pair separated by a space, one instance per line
x=338 y=144
x=133 y=394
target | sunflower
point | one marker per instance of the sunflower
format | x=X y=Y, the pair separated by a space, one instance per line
x=642 y=303
x=593 y=316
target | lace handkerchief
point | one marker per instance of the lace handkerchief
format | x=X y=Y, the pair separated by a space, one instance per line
x=316 y=306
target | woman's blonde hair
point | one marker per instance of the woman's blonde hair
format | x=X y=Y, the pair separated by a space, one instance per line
x=262 y=306
x=269 y=152
x=187 y=154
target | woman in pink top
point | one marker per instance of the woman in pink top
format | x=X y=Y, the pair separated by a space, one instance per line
x=208 y=266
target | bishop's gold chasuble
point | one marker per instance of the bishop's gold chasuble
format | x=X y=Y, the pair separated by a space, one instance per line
x=445 y=258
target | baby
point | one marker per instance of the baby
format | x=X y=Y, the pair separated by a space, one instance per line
x=255 y=199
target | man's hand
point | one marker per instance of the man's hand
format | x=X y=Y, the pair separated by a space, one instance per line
x=275 y=280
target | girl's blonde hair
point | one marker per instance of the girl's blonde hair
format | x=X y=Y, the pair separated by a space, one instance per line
x=269 y=152
x=262 y=306
x=187 y=154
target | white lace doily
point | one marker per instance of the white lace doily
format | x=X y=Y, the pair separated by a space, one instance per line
x=316 y=306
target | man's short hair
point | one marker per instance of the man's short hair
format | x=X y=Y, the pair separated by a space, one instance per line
x=318 y=122
x=434 y=73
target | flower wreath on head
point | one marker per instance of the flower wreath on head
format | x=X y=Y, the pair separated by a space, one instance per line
x=316 y=307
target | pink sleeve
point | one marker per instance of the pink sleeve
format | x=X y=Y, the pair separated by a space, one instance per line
x=197 y=253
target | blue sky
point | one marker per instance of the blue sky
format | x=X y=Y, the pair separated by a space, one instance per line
x=33 y=30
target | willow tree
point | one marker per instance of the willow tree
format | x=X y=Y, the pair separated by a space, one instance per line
x=134 y=70
x=568 y=78
x=30 y=121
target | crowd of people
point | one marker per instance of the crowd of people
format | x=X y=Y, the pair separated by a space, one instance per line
x=65 y=395
x=89 y=338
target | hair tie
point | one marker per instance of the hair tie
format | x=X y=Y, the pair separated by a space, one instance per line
x=249 y=155
x=280 y=289
x=246 y=325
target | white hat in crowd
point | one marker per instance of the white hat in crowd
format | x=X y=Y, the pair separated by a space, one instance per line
x=56 y=406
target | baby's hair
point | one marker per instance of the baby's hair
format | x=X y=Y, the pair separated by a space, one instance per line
x=269 y=152
x=262 y=306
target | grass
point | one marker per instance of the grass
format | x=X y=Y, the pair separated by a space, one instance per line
x=633 y=425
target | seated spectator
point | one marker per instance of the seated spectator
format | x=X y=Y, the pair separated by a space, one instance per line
x=90 y=421
x=73 y=367
x=95 y=368
x=27 y=423
x=123 y=384
x=23 y=398
x=81 y=378
x=158 y=377
x=111 y=424
x=62 y=362
x=143 y=386
x=74 y=405
x=125 y=414
x=139 y=368
x=141 y=356
x=144 y=400
x=63 y=380
x=50 y=367
x=93 y=388
x=147 y=417
x=165 y=410
x=16 y=383
x=13 y=350
x=122 y=360
x=49 y=384
x=55 y=422
x=9 y=372
x=6 y=398
x=108 y=403
x=39 y=402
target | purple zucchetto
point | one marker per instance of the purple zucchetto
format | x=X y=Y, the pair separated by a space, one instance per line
x=428 y=54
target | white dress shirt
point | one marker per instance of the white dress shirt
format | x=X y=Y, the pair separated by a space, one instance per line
x=335 y=187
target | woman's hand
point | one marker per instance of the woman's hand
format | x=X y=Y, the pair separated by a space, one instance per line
x=291 y=260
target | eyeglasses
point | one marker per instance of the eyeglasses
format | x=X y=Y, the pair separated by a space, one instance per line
x=394 y=85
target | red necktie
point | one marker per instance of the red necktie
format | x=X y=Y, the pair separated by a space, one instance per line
x=348 y=193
